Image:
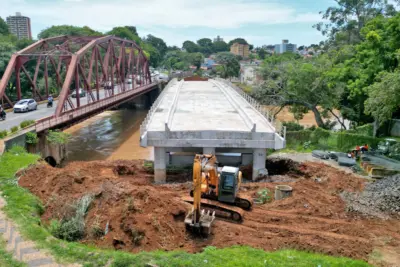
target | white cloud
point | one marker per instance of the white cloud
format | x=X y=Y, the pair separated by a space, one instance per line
x=175 y=13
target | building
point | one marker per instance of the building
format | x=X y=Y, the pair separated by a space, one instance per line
x=240 y=50
x=20 y=26
x=218 y=39
x=285 y=46
x=249 y=74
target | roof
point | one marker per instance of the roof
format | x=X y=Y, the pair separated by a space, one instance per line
x=230 y=169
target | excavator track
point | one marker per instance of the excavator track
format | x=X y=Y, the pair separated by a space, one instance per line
x=241 y=201
x=221 y=210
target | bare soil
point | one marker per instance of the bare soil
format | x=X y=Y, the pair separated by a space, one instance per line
x=144 y=216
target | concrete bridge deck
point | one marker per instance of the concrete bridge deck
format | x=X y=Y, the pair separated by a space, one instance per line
x=207 y=117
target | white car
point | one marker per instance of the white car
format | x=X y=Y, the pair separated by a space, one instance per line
x=163 y=78
x=25 y=105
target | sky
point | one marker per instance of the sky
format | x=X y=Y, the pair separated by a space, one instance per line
x=260 y=22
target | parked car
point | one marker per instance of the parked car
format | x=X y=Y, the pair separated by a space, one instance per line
x=82 y=93
x=25 y=105
x=163 y=78
x=129 y=81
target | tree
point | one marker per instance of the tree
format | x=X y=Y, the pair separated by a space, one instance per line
x=220 y=46
x=251 y=57
x=196 y=59
x=68 y=30
x=384 y=96
x=3 y=27
x=6 y=51
x=154 y=55
x=124 y=33
x=190 y=47
x=302 y=84
x=237 y=40
x=301 y=48
x=230 y=66
x=206 y=46
x=348 y=18
x=132 y=29
x=157 y=43
x=205 y=42
x=23 y=43
x=262 y=53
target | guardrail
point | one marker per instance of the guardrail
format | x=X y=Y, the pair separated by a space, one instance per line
x=145 y=123
x=181 y=75
x=52 y=121
x=279 y=128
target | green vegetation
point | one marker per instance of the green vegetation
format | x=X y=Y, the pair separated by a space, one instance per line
x=264 y=196
x=31 y=138
x=72 y=228
x=26 y=123
x=25 y=210
x=14 y=129
x=306 y=140
x=3 y=134
x=58 y=137
x=6 y=259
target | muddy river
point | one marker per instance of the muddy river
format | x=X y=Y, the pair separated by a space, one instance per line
x=109 y=135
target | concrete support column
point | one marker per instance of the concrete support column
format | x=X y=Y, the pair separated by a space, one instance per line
x=259 y=158
x=209 y=150
x=160 y=171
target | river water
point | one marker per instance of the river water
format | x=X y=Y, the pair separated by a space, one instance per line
x=108 y=136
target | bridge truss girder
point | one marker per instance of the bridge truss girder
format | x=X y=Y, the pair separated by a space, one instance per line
x=78 y=62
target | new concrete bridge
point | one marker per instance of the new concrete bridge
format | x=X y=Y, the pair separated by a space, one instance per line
x=210 y=116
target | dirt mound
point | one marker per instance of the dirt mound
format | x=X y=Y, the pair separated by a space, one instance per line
x=142 y=216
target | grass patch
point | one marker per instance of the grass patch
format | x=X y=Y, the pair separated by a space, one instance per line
x=6 y=260
x=14 y=129
x=26 y=123
x=25 y=209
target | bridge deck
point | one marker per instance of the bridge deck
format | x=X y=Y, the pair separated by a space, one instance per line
x=205 y=106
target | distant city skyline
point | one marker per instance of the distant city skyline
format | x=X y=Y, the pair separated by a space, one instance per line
x=259 y=22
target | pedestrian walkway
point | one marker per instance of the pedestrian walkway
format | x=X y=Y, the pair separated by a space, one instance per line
x=24 y=250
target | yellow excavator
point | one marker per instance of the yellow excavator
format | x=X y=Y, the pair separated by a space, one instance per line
x=218 y=190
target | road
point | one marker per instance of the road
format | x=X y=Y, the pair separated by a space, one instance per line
x=15 y=119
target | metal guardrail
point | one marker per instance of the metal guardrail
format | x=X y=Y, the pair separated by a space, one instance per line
x=146 y=121
x=52 y=121
x=279 y=128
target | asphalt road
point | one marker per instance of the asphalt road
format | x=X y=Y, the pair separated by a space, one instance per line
x=15 y=119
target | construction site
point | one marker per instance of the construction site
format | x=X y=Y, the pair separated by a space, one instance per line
x=328 y=211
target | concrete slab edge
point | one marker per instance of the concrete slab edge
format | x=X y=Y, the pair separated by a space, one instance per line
x=24 y=250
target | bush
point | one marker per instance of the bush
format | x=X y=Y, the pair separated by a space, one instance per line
x=292 y=126
x=31 y=138
x=367 y=130
x=26 y=123
x=394 y=151
x=264 y=195
x=17 y=150
x=3 y=133
x=319 y=134
x=73 y=228
x=296 y=137
x=58 y=137
x=14 y=129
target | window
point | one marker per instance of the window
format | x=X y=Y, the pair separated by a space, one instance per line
x=229 y=181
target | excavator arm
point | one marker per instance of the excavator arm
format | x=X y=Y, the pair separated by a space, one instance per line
x=198 y=220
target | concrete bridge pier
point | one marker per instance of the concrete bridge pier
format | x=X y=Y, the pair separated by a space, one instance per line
x=259 y=158
x=160 y=166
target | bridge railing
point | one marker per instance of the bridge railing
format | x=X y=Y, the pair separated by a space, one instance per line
x=145 y=123
x=279 y=128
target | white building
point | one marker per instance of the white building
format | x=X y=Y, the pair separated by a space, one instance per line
x=285 y=46
x=20 y=26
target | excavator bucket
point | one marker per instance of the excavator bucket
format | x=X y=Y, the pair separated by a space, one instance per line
x=204 y=225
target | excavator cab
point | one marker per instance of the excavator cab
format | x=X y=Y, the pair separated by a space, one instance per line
x=229 y=183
